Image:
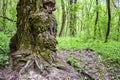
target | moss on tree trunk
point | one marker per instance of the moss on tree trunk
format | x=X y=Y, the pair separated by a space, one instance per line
x=34 y=43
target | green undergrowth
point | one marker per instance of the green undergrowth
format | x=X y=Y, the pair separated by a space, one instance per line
x=4 y=48
x=109 y=51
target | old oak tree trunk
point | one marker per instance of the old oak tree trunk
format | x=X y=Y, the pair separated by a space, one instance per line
x=34 y=44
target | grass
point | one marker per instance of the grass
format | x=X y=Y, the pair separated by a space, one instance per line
x=109 y=50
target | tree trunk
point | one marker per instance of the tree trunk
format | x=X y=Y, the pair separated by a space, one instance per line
x=34 y=44
x=118 y=29
x=96 y=20
x=109 y=20
x=117 y=7
x=72 y=18
x=63 y=18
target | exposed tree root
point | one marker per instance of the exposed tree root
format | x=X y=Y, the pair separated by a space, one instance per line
x=26 y=67
x=43 y=69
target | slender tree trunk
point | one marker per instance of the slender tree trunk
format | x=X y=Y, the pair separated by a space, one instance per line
x=96 y=20
x=109 y=20
x=82 y=24
x=67 y=18
x=87 y=14
x=72 y=33
x=99 y=31
x=72 y=25
x=63 y=18
x=118 y=29
x=75 y=18
x=118 y=22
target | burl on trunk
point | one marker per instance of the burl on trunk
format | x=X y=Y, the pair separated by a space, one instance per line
x=34 y=43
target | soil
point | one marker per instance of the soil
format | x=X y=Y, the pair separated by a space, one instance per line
x=90 y=64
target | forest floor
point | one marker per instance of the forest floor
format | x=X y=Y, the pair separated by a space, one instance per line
x=91 y=64
x=85 y=61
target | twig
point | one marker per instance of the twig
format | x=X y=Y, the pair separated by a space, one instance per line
x=7 y=18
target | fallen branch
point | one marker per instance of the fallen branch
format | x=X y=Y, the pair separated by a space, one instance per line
x=7 y=18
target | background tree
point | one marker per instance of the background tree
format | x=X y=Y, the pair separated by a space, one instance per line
x=109 y=20
x=63 y=18
x=72 y=14
x=97 y=17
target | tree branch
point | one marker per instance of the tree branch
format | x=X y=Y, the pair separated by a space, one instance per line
x=7 y=18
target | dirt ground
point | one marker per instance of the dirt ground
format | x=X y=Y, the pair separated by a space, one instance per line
x=92 y=68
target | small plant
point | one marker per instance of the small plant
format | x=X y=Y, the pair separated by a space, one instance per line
x=3 y=59
x=73 y=62
x=85 y=78
x=4 y=42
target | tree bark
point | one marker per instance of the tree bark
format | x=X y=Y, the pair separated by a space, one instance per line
x=96 y=20
x=63 y=18
x=72 y=25
x=34 y=44
x=109 y=20
x=118 y=28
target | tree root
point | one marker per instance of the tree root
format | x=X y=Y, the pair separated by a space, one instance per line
x=32 y=62
x=26 y=67
x=39 y=66
x=61 y=67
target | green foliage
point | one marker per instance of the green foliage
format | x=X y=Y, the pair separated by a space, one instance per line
x=73 y=62
x=85 y=78
x=110 y=50
x=68 y=42
x=3 y=59
x=4 y=43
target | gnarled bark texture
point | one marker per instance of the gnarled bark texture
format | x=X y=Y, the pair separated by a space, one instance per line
x=34 y=43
